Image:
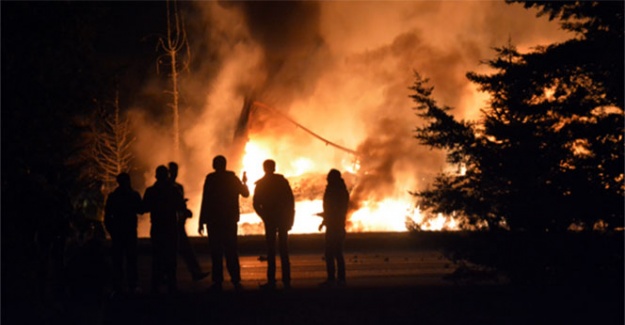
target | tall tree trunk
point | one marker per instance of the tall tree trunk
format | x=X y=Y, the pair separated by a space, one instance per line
x=175 y=42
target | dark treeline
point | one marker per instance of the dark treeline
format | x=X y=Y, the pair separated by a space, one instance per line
x=544 y=164
x=548 y=150
x=58 y=60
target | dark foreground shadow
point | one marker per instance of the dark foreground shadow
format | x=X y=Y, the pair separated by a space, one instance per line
x=392 y=305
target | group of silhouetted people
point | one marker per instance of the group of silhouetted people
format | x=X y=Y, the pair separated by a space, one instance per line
x=273 y=201
x=165 y=202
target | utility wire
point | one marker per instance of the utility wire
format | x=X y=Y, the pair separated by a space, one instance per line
x=288 y=118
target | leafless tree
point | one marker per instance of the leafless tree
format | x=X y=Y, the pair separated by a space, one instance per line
x=177 y=55
x=111 y=150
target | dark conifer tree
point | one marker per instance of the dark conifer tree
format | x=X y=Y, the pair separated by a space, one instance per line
x=548 y=151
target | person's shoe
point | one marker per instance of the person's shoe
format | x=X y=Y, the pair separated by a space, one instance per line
x=238 y=287
x=215 y=287
x=200 y=276
x=341 y=283
x=327 y=284
x=268 y=286
x=286 y=285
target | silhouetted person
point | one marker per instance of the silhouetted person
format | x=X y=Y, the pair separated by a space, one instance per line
x=220 y=214
x=335 y=204
x=51 y=220
x=120 y=220
x=184 y=245
x=274 y=203
x=164 y=202
x=86 y=271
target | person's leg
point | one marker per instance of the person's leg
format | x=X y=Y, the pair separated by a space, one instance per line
x=270 y=238
x=216 y=250
x=283 y=239
x=117 y=263
x=330 y=256
x=131 y=261
x=171 y=257
x=157 y=263
x=232 y=255
x=340 y=259
x=186 y=251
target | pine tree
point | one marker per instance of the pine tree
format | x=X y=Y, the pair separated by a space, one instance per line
x=548 y=151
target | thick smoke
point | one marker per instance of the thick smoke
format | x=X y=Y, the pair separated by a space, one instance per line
x=343 y=70
x=294 y=52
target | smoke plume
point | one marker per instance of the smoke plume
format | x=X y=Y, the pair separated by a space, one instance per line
x=343 y=70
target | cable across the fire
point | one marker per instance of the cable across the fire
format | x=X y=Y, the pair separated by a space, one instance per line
x=307 y=130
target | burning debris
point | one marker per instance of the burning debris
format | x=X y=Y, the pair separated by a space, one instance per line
x=369 y=187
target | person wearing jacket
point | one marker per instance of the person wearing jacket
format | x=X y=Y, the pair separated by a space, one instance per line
x=185 y=249
x=120 y=219
x=274 y=202
x=335 y=205
x=164 y=202
x=220 y=214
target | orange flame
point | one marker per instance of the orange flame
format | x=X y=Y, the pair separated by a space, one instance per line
x=387 y=215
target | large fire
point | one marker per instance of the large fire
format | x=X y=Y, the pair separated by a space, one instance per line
x=345 y=76
x=393 y=214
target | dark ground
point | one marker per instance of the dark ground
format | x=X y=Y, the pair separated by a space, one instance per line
x=392 y=279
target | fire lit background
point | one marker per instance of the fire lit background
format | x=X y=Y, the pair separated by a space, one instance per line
x=341 y=70
x=312 y=85
x=317 y=85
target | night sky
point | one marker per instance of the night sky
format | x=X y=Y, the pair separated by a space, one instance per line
x=61 y=58
x=78 y=47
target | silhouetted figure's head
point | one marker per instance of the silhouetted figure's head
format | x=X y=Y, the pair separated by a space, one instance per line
x=219 y=163
x=173 y=170
x=269 y=166
x=162 y=174
x=334 y=176
x=123 y=179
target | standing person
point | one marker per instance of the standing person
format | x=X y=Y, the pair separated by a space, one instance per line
x=120 y=220
x=274 y=202
x=220 y=214
x=184 y=245
x=163 y=201
x=335 y=204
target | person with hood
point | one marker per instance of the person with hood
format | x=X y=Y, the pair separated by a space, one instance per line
x=274 y=202
x=335 y=204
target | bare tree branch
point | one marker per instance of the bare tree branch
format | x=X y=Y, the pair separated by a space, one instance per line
x=175 y=42
x=111 y=143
